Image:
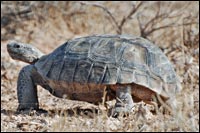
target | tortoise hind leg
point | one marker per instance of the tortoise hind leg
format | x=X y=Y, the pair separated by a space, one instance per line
x=26 y=90
x=124 y=101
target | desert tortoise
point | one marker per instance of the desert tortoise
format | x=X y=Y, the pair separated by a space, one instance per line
x=82 y=68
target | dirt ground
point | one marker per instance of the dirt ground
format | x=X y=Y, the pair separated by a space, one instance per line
x=173 y=26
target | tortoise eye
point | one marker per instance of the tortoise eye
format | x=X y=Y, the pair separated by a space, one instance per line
x=16 y=46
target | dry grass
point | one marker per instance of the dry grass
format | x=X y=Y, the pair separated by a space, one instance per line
x=173 y=26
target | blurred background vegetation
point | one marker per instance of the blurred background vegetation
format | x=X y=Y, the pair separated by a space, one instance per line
x=161 y=22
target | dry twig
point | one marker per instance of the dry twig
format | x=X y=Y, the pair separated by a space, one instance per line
x=151 y=26
x=119 y=25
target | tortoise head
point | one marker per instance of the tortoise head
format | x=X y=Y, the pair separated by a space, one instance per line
x=23 y=52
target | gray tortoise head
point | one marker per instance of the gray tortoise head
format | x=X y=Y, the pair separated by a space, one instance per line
x=82 y=68
x=23 y=52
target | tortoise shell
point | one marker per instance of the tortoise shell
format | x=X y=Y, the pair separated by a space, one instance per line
x=87 y=64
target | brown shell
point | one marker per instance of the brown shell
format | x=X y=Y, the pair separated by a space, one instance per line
x=108 y=60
